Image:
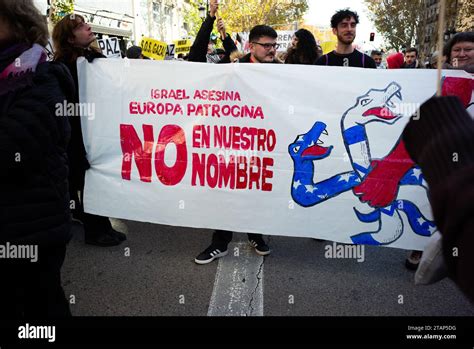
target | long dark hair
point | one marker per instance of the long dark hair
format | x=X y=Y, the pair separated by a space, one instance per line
x=26 y=23
x=62 y=32
x=306 y=51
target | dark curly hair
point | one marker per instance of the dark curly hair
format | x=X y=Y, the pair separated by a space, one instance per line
x=306 y=51
x=262 y=30
x=341 y=15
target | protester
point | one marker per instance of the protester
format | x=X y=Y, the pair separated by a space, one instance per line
x=303 y=50
x=135 y=52
x=433 y=61
x=34 y=197
x=202 y=49
x=377 y=57
x=343 y=24
x=443 y=128
x=263 y=48
x=72 y=38
x=411 y=59
x=395 y=60
x=262 y=44
x=460 y=52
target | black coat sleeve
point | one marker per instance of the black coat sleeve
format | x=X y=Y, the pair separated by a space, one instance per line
x=229 y=47
x=30 y=126
x=199 y=48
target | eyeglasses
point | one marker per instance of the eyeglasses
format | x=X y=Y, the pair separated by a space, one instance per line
x=267 y=46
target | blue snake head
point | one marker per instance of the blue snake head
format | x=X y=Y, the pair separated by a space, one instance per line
x=310 y=146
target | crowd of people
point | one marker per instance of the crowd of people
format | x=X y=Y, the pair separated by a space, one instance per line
x=44 y=160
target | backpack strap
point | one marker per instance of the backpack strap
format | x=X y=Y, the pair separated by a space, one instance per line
x=363 y=60
x=327 y=59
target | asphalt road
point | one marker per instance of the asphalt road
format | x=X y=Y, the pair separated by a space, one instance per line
x=153 y=274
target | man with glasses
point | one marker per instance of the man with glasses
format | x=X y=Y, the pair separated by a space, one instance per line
x=344 y=23
x=263 y=48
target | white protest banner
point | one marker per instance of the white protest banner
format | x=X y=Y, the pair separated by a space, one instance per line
x=110 y=47
x=284 y=39
x=262 y=148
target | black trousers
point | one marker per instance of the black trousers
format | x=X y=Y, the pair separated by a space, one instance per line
x=221 y=238
x=93 y=224
x=33 y=290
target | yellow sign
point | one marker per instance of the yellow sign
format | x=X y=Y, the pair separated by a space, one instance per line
x=328 y=46
x=153 y=48
x=325 y=38
x=182 y=46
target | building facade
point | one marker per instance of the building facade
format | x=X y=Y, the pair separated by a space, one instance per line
x=160 y=19
x=129 y=20
x=459 y=17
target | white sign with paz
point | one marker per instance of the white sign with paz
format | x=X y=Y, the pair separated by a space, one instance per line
x=110 y=47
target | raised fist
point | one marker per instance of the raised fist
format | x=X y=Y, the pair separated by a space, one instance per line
x=213 y=7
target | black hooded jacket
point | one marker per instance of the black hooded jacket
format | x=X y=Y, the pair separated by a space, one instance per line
x=34 y=196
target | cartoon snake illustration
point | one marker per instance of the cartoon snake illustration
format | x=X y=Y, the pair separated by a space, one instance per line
x=374 y=106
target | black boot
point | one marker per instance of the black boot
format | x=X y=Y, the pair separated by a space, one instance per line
x=104 y=239
x=118 y=235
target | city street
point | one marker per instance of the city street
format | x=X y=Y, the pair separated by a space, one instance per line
x=333 y=139
x=153 y=274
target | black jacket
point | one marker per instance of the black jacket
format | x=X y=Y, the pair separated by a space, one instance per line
x=198 y=50
x=34 y=196
x=246 y=59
